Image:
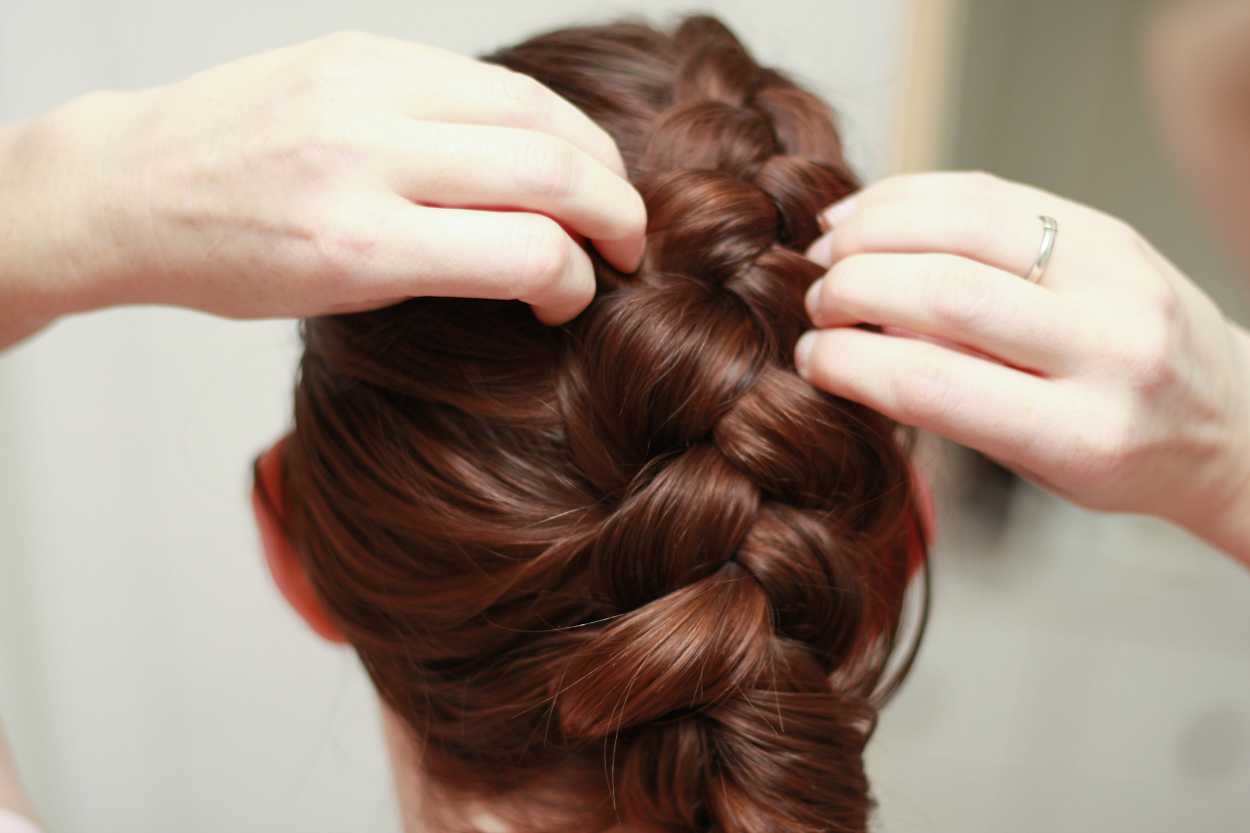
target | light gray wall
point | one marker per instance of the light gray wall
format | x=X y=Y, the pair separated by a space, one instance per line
x=151 y=680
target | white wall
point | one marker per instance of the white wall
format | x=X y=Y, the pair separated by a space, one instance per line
x=150 y=679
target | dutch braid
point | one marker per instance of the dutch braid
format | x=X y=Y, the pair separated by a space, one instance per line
x=638 y=548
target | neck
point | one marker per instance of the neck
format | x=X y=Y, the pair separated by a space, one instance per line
x=405 y=771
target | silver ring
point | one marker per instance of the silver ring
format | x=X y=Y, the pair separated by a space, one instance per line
x=1050 y=232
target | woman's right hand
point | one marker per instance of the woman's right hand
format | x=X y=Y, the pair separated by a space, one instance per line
x=1115 y=382
x=334 y=175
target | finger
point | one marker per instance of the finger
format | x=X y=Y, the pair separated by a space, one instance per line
x=955 y=299
x=998 y=410
x=470 y=91
x=976 y=231
x=476 y=166
x=976 y=216
x=415 y=250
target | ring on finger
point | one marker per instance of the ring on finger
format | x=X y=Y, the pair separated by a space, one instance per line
x=1050 y=233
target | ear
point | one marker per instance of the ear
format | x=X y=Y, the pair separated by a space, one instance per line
x=286 y=568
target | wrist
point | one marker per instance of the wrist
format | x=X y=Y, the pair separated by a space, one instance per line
x=1227 y=526
x=56 y=255
x=27 y=297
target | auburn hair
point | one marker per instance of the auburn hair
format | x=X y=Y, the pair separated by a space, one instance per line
x=633 y=569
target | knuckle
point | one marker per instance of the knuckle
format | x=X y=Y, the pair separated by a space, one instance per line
x=606 y=148
x=1149 y=363
x=841 y=288
x=977 y=229
x=896 y=186
x=325 y=152
x=545 y=166
x=343 y=243
x=347 y=42
x=921 y=396
x=543 y=257
x=862 y=233
x=1125 y=231
x=342 y=65
x=1143 y=357
x=958 y=300
x=979 y=183
x=1102 y=449
x=522 y=100
x=854 y=266
x=1165 y=302
x=924 y=186
x=318 y=80
x=335 y=55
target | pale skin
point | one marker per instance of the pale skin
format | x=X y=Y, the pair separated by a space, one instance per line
x=333 y=176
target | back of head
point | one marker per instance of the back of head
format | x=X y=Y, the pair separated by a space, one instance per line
x=632 y=569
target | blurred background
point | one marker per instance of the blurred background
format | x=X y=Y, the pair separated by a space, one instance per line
x=1081 y=673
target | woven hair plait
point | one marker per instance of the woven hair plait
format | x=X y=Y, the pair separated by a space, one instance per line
x=631 y=569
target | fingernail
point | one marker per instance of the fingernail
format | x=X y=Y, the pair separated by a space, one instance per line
x=803 y=352
x=637 y=259
x=822 y=250
x=838 y=213
x=812 y=298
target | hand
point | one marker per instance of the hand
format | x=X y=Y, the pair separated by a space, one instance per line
x=336 y=175
x=1114 y=382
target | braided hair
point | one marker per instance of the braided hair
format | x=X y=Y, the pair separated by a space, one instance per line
x=632 y=570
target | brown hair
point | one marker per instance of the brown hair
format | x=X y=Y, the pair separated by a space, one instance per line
x=632 y=569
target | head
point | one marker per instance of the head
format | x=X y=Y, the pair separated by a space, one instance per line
x=631 y=570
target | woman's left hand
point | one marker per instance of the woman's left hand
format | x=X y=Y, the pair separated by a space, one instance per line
x=1114 y=381
x=341 y=174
